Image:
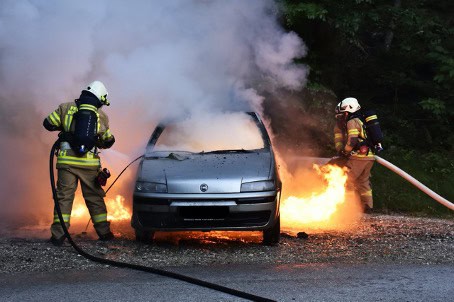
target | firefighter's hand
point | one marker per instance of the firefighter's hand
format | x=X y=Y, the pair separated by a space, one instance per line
x=102 y=177
x=105 y=144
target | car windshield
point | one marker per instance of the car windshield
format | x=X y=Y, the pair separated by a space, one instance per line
x=231 y=132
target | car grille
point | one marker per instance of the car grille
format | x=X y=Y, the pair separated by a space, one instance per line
x=203 y=218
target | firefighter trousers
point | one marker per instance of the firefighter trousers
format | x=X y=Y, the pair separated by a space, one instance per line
x=359 y=180
x=92 y=192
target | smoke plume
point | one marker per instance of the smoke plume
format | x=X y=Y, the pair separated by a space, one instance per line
x=158 y=59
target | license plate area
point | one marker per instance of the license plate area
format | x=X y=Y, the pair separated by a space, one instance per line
x=203 y=213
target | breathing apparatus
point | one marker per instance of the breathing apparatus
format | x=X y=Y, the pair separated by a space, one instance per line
x=85 y=123
x=373 y=130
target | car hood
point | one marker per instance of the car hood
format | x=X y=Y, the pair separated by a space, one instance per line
x=221 y=173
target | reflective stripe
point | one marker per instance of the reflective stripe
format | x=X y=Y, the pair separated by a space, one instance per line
x=66 y=125
x=66 y=217
x=88 y=107
x=52 y=120
x=358 y=155
x=80 y=161
x=56 y=116
x=55 y=119
x=368 y=193
x=99 y=218
x=372 y=117
x=363 y=134
x=69 y=118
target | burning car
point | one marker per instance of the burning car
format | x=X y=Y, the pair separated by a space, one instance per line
x=208 y=174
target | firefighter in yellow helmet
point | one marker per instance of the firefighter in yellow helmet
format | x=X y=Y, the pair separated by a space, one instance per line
x=84 y=129
x=350 y=142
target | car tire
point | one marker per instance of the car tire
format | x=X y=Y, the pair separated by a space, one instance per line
x=272 y=235
x=144 y=236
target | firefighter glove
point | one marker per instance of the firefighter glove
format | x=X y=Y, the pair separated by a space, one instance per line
x=102 y=177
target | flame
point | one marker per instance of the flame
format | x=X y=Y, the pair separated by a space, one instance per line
x=318 y=209
x=79 y=211
x=116 y=209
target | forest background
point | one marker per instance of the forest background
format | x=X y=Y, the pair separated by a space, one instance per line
x=397 y=58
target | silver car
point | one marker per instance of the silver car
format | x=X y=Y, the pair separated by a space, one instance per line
x=213 y=174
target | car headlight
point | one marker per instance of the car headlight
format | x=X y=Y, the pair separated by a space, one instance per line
x=256 y=186
x=150 y=187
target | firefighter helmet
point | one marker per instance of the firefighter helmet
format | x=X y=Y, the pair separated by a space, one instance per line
x=99 y=90
x=350 y=105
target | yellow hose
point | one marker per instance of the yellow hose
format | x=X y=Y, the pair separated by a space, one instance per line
x=414 y=182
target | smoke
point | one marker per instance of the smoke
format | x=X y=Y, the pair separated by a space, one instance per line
x=235 y=131
x=158 y=60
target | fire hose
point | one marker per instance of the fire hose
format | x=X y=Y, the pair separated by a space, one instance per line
x=414 y=182
x=342 y=160
x=120 y=264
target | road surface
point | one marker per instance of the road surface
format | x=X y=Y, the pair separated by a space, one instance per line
x=303 y=282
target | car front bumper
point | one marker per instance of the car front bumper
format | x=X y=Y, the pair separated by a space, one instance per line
x=173 y=212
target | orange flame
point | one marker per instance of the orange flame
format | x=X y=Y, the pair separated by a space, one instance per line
x=318 y=209
x=116 y=209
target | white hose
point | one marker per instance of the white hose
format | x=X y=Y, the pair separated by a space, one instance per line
x=414 y=182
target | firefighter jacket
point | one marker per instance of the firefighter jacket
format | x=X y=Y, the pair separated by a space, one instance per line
x=351 y=137
x=62 y=119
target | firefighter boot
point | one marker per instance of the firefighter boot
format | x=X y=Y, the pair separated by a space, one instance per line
x=107 y=237
x=57 y=242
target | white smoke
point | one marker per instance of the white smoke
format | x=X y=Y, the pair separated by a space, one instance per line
x=158 y=60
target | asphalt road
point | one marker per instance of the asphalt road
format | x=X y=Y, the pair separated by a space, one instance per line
x=303 y=282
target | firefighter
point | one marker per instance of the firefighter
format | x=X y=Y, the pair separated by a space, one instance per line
x=351 y=144
x=74 y=165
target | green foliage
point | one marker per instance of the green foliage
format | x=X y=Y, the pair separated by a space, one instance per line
x=445 y=73
x=311 y=11
x=396 y=57
x=392 y=193
x=433 y=106
x=375 y=47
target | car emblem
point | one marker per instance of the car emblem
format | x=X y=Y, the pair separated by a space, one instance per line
x=203 y=187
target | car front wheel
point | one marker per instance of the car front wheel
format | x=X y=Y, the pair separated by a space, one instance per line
x=272 y=235
x=144 y=236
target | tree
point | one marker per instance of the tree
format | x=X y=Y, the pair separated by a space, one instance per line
x=394 y=55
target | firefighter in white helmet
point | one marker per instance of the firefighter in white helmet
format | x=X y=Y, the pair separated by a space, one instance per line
x=84 y=129
x=350 y=142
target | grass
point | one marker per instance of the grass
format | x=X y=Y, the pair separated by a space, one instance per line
x=394 y=194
